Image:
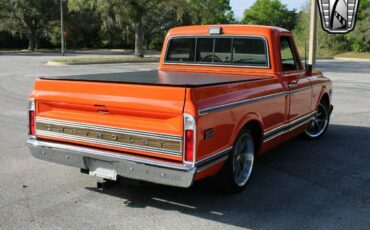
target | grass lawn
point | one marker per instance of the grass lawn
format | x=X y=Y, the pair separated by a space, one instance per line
x=102 y=60
x=363 y=55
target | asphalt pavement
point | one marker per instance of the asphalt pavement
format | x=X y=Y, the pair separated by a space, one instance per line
x=302 y=184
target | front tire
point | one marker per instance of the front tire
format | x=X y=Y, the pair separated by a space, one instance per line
x=320 y=122
x=238 y=168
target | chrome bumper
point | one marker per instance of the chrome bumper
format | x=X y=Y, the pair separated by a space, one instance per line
x=139 y=168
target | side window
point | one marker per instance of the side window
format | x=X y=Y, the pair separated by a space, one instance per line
x=181 y=50
x=288 y=59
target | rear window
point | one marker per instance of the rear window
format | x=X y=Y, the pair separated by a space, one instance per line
x=181 y=50
x=240 y=51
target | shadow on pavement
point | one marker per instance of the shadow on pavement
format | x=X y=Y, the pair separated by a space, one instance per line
x=301 y=181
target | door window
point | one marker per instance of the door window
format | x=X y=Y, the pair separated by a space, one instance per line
x=288 y=59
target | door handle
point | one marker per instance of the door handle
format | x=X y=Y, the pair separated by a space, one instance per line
x=292 y=84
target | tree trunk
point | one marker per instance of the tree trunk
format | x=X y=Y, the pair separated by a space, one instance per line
x=31 y=44
x=139 y=40
x=32 y=40
x=127 y=35
x=147 y=45
x=37 y=42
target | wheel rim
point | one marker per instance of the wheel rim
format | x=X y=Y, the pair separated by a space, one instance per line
x=243 y=159
x=319 y=122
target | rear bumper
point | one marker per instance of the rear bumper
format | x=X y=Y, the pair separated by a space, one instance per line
x=140 y=168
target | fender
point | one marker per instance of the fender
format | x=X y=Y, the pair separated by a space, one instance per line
x=249 y=117
x=324 y=90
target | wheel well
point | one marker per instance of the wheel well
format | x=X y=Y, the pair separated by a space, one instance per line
x=325 y=99
x=256 y=129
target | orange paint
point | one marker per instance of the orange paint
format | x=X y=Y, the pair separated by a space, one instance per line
x=160 y=109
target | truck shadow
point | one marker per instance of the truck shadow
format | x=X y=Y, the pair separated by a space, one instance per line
x=296 y=183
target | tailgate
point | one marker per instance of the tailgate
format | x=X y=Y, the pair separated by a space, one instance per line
x=140 y=119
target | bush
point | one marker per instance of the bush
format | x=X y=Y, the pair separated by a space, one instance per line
x=10 y=41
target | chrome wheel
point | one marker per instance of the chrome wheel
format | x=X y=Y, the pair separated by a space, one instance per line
x=243 y=159
x=319 y=122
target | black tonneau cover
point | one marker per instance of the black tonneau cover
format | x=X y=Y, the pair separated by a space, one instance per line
x=165 y=78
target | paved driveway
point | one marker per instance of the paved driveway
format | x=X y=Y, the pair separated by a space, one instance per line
x=302 y=184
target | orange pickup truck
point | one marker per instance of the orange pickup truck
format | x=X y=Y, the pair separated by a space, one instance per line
x=222 y=95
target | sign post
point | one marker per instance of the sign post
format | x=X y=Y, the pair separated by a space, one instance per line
x=61 y=27
x=313 y=34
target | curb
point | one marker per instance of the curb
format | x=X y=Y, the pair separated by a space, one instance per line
x=352 y=59
x=52 y=63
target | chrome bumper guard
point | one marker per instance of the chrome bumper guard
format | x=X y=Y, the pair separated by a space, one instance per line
x=139 y=168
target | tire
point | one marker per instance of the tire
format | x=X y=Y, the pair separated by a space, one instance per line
x=320 y=122
x=237 y=170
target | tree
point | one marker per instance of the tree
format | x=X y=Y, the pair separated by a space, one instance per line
x=210 y=11
x=150 y=19
x=271 y=13
x=331 y=44
x=134 y=14
x=327 y=44
x=360 y=37
x=31 y=17
x=3 y=7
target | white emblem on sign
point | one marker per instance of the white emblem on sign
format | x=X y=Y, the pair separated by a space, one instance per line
x=338 y=16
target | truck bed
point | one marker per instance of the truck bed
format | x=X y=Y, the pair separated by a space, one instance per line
x=162 y=78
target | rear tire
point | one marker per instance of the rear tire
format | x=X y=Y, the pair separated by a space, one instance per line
x=237 y=170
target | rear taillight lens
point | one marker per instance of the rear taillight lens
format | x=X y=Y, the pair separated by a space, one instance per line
x=189 y=138
x=32 y=123
x=189 y=145
x=31 y=118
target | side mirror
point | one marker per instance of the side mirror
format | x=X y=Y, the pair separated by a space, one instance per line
x=308 y=68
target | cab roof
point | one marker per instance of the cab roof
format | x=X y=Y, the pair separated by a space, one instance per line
x=228 y=30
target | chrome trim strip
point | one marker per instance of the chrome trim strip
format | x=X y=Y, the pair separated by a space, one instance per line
x=108 y=143
x=239 y=103
x=213 y=159
x=215 y=155
x=214 y=65
x=300 y=89
x=298 y=125
x=292 y=122
x=275 y=129
x=107 y=128
x=189 y=124
x=288 y=127
x=108 y=153
x=135 y=167
x=274 y=136
x=320 y=84
x=32 y=105
x=299 y=72
x=303 y=117
x=268 y=66
x=212 y=164
x=205 y=111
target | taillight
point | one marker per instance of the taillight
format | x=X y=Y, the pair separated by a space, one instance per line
x=31 y=118
x=189 y=145
x=189 y=138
